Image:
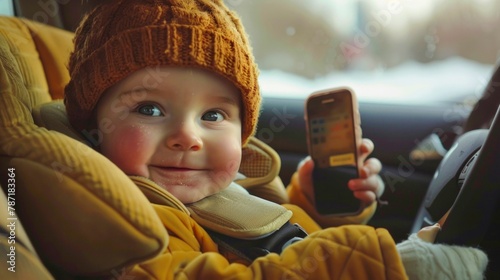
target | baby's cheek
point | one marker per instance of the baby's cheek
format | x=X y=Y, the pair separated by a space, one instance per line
x=128 y=150
x=228 y=156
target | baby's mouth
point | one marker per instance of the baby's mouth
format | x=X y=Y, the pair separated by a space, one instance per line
x=178 y=169
x=172 y=167
x=175 y=169
x=173 y=175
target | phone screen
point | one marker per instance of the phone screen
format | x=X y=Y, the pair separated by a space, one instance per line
x=332 y=145
x=331 y=131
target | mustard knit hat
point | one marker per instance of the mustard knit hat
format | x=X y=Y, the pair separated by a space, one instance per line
x=120 y=37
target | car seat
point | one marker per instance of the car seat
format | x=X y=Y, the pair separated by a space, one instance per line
x=83 y=217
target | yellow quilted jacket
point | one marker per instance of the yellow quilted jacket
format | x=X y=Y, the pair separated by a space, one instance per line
x=345 y=252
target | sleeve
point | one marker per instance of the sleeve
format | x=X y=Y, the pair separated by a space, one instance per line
x=298 y=198
x=423 y=260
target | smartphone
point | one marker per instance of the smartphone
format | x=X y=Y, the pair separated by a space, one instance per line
x=331 y=120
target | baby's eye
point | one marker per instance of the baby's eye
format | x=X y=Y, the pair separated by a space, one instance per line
x=149 y=110
x=212 y=116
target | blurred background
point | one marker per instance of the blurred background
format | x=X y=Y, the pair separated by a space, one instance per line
x=387 y=50
x=315 y=37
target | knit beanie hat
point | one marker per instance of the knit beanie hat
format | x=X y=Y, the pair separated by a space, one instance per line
x=120 y=37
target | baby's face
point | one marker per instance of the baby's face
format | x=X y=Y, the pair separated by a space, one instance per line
x=179 y=127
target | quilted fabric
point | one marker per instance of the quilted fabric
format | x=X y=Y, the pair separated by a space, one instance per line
x=258 y=162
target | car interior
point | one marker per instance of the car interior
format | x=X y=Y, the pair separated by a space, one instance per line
x=60 y=198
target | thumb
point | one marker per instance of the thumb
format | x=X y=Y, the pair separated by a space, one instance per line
x=305 y=178
x=428 y=234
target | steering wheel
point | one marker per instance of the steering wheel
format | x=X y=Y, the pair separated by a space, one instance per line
x=466 y=184
x=485 y=108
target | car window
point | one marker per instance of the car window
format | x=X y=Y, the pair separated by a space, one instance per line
x=6 y=8
x=387 y=50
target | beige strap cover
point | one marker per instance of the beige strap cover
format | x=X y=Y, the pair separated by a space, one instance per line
x=236 y=213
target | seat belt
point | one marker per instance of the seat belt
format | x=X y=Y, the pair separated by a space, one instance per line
x=250 y=249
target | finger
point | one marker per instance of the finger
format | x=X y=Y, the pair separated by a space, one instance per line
x=372 y=184
x=428 y=234
x=364 y=184
x=305 y=169
x=302 y=162
x=367 y=145
x=381 y=187
x=365 y=149
x=365 y=196
x=371 y=166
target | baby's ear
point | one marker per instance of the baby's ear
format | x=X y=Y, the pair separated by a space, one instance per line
x=52 y=116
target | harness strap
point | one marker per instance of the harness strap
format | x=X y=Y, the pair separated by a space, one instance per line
x=236 y=213
x=250 y=249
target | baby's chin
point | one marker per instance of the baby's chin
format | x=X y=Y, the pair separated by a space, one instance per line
x=189 y=194
x=192 y=188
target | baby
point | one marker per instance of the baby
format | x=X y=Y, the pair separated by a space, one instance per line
x=172 y=88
